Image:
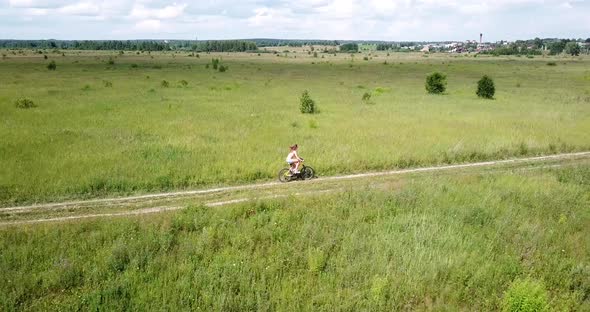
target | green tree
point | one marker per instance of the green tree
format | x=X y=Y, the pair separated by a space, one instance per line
x=436 y=83
x=572 y=48
x=557 y=47
x=349 y=47
x=306 y=104
x=486 y=88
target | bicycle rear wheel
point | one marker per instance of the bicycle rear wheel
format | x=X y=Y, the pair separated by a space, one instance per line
x=285 y=175
x=307 y=173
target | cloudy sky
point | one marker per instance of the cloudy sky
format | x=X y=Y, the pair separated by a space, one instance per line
x=393 y=20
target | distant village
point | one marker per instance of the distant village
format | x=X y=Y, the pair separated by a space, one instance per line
x=534 y=46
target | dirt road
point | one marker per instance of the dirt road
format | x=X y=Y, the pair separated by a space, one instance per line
x=220 y=196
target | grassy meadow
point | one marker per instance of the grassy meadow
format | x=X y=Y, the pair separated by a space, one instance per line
x=472 y=242
x=104 y=129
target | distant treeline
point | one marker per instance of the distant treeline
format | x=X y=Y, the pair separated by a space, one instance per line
x=128 y=45
x=133 y=45
x=537 y=46
x=225 y=46
x=293 y=42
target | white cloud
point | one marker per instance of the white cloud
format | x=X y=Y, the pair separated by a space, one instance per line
x=149 y=25
x=36 y=3
x=80 y=8
x=139 y=11
x=36 y=12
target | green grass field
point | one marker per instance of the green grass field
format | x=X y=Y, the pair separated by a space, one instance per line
x=473 y=242
x=86 y=139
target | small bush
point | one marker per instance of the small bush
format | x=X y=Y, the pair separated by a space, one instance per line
x=306 y=104
x=111 y=61
x=222 y=68
x=317 y=260
x=313 y=124
x=486 y=88
x=134 y=65
x=165 y=84
x=365 y=58
x=24 y=103
x=524 y=296
x=119 y=258
x=215 y=63
x=183 y=83
x=86 y=88
x=551 y=64
x=45 y=56
x=52 y=65
x=107 y=84
x=436 y=83
x=366 y=97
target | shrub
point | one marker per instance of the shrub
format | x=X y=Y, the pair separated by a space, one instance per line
x=313 y=124
x=111 y=61
x=366 y=97
x=222 y=68
x=183 y=83
x=86 y=88
x=366 y=58
x=24 y=103
x=551 y=64
x=45 y=56
x=215 y=63
x=52 y=65
x=485 y=87
x=119 y=258
x=134 y=65
x=306 y=104
x=525 y=295
x=107 y=84
x=165 y=84
x=436 y=83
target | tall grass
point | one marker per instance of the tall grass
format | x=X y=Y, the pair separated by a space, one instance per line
x=450 y=243
x=121 y=140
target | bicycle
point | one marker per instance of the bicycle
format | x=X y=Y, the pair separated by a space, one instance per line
x=305 y=173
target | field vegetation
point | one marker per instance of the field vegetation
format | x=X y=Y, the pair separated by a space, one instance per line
x=473 y=241
x=159 y=121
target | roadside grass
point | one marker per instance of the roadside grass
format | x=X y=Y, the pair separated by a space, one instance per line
x=233 y=127
x=452 y=242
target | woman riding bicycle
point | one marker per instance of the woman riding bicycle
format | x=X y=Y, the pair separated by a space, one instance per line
x=294 y=160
